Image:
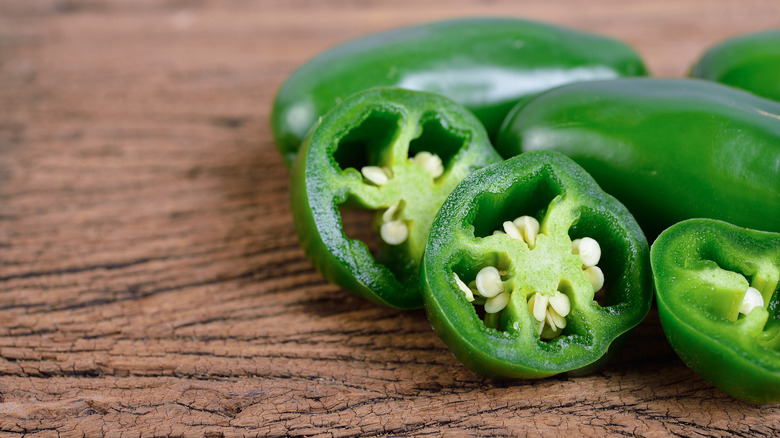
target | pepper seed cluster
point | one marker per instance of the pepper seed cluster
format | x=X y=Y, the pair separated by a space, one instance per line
x=393 y=230
x=490 y=290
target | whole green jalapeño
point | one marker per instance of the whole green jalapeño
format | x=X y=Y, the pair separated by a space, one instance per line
x=719 y=304
x=750 y=62
x=669 y=149
x=485 y=64
x=532 y=270
x=393 y=151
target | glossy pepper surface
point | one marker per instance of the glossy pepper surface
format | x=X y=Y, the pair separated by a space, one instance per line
x=486 y=64
x=717 y=291
x=750 y=62
x=395 y=151
x=515 y=258
x=669 y=149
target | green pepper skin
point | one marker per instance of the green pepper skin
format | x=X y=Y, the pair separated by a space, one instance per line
x=750 y=62
x=569 y=205
x=381 y=127
x=669 y=149
x=702 y=268
x=485 y=64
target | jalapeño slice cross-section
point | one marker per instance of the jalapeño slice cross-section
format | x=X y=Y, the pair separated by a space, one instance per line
x=532 y=270
x=398 y=153
x=719 y=304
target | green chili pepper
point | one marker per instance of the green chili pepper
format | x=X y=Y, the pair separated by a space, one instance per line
x=395 y=151
x=750 y=62
x=669 y=149
x=485 y=64
x=514 y=260
x=718 y=300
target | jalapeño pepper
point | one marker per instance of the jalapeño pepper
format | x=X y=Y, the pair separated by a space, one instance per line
x=395 y=151
x=485 y=64
x=669 y=149
x=750 y=62
x=718 y=300
x=532 y=270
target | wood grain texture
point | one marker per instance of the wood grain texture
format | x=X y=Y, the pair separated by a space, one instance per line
x=151 y=281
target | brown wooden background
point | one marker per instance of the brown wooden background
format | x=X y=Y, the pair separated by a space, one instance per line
x=150 y=279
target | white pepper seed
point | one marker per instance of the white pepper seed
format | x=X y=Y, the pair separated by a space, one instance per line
x=560 y=302
x=529 y=229
x=496 y=303
x=394 y=232
x=595 y=276
x=751 y=300
x=489 y=282
x=430 y=162
x=512 y=231
x=465 y=289
x=588 y=250
x=376 y=175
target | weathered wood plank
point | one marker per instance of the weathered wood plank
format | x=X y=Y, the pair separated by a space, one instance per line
x=150 y=277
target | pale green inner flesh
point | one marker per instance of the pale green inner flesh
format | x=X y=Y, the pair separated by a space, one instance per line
x=548 y=267
x=718 y=287
x=421 y=194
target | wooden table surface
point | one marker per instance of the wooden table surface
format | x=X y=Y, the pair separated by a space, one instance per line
x=151 y=282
